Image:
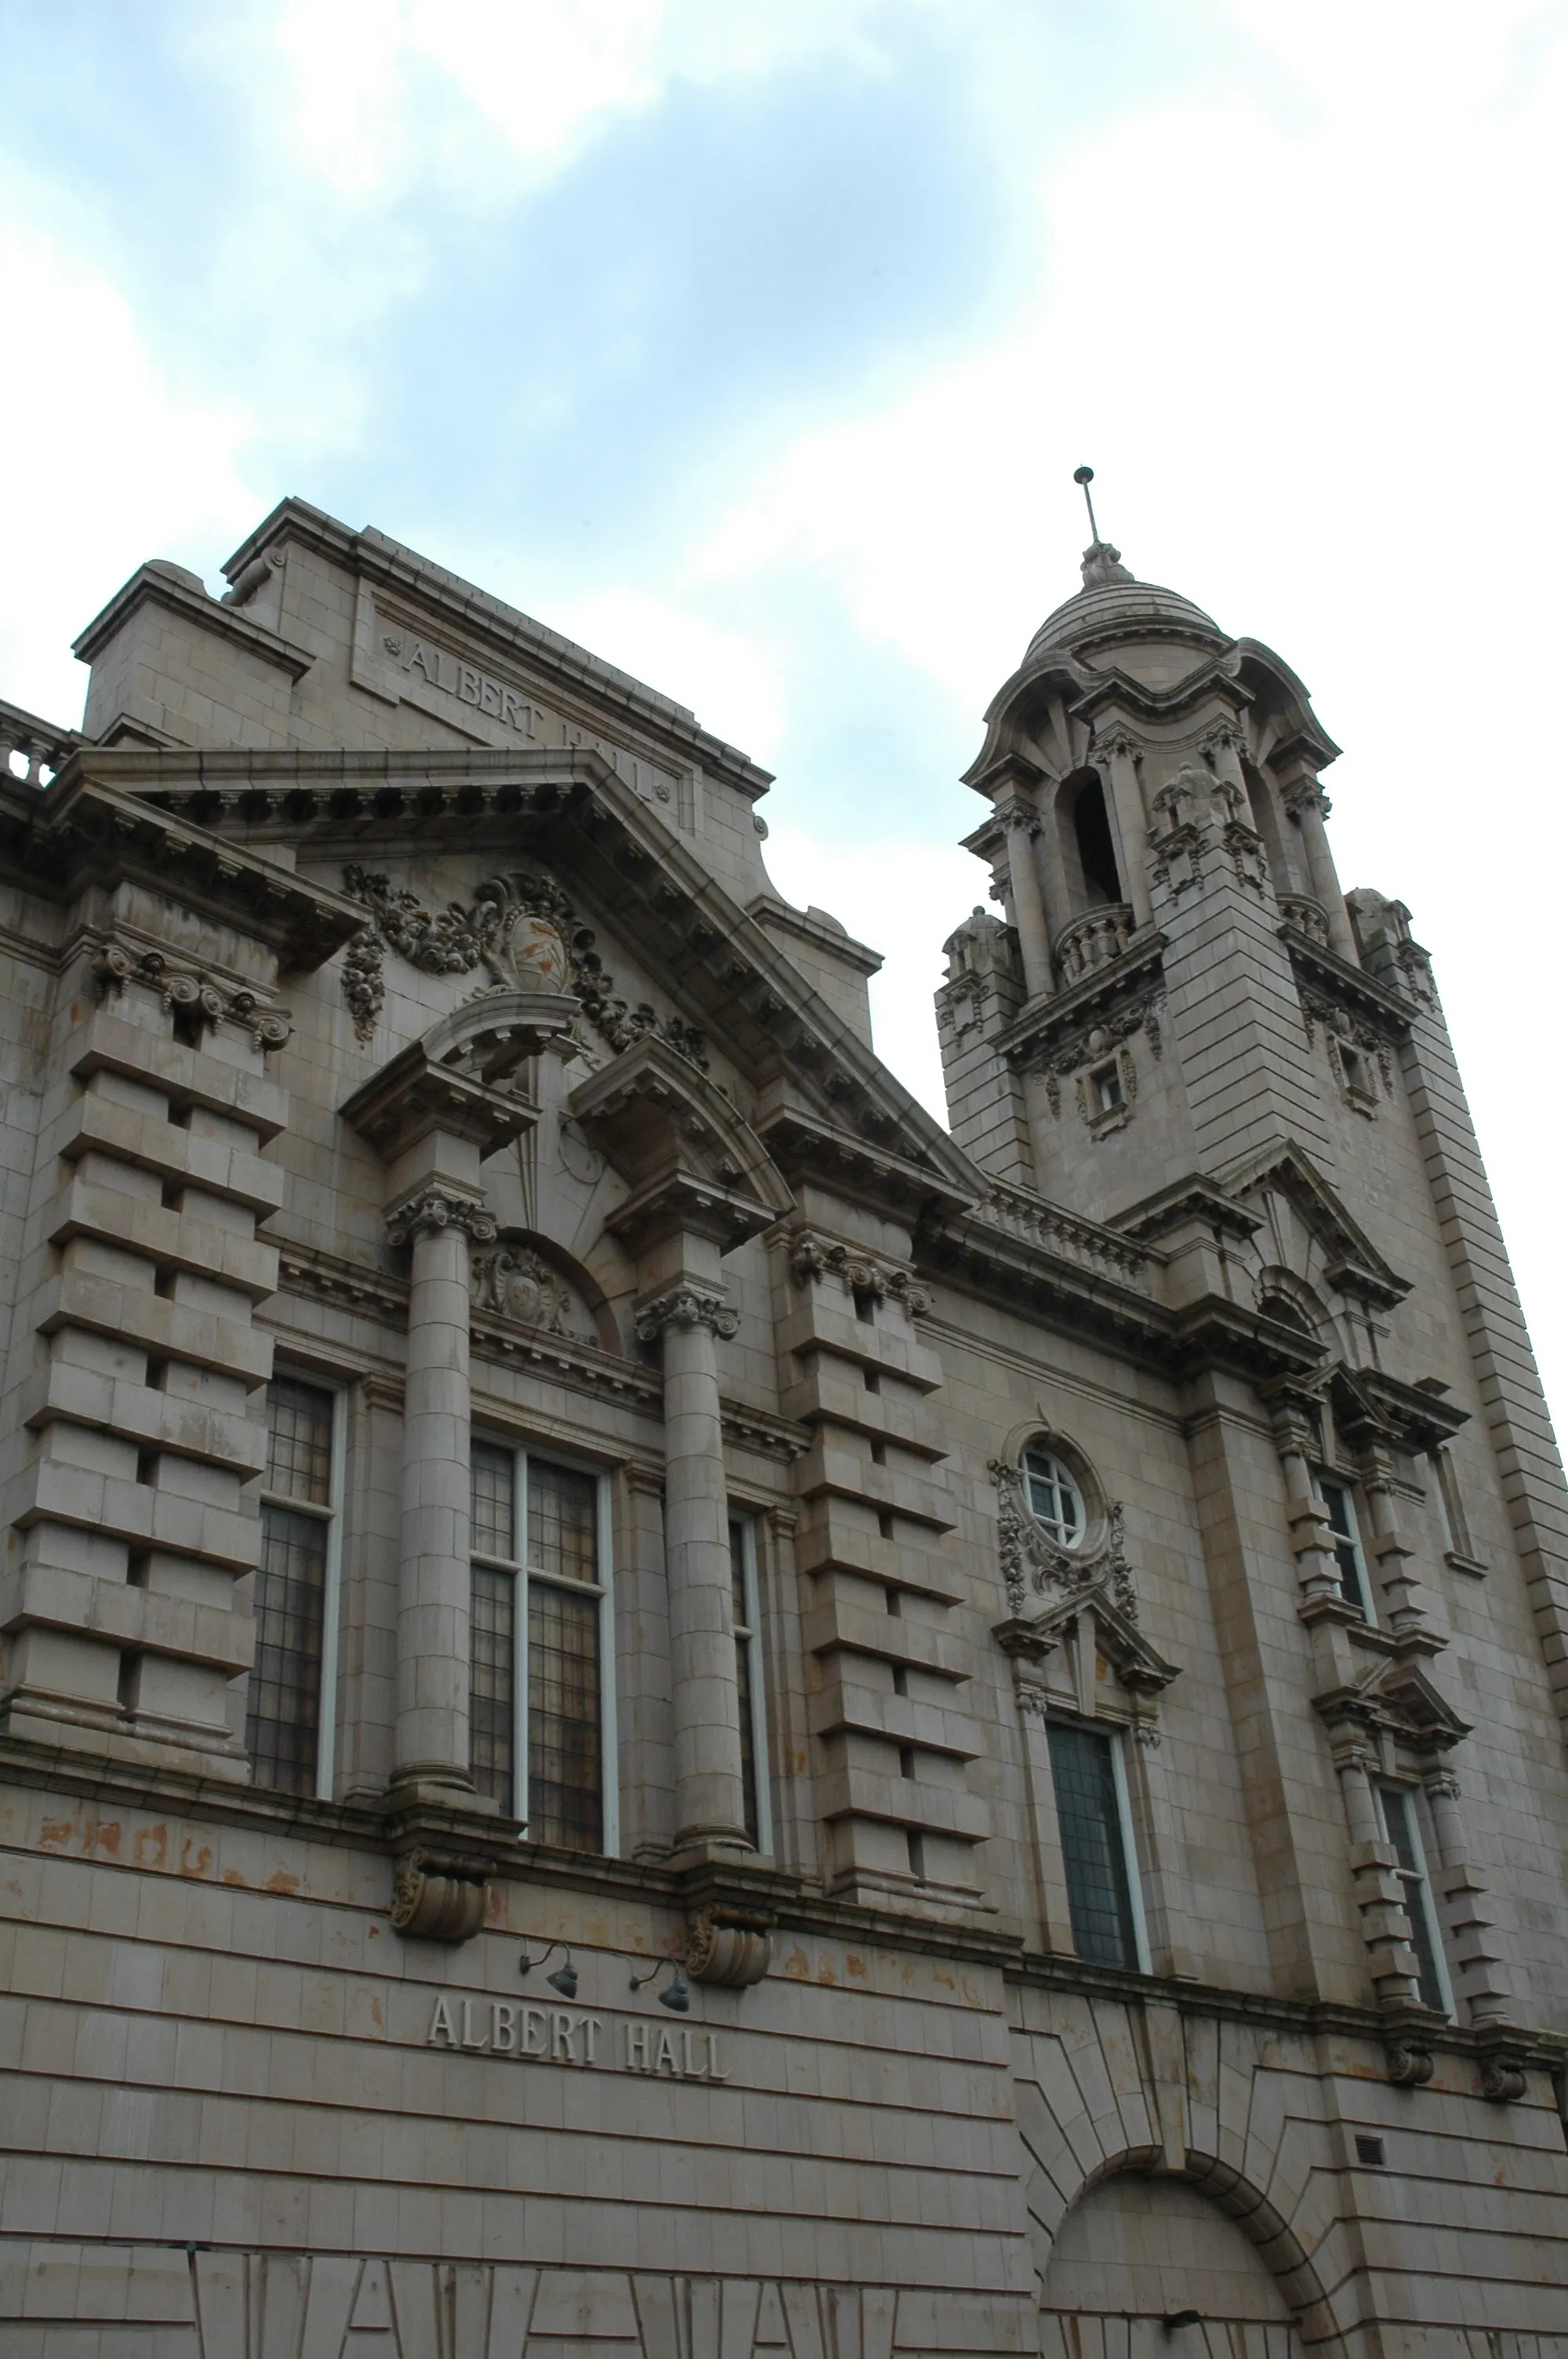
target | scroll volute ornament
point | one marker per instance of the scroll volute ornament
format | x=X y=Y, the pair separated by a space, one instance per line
x=727 y=1946
x=437 y=1899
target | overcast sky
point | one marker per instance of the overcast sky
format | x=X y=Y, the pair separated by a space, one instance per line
x=755 y=342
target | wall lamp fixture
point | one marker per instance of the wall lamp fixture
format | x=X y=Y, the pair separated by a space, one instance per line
x=563 y=1979
x=677 y=1996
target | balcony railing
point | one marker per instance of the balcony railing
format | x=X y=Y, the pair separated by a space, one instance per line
x=1092 y=940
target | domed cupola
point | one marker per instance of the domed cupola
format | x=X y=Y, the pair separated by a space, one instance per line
x=1114 y=611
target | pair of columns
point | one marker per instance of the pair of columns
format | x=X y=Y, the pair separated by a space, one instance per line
x=439 y=1222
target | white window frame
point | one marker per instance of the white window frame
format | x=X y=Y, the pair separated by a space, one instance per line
x=1047 y=1451
x=752 y=1641
x=520 y=1453
x=1347 y=1490
x=1422 y=1900
x=1132 y=1865
x=331 y=1515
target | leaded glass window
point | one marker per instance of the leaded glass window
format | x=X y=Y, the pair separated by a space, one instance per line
x=1397 y=1807
x=539 y=1735
x=1347 y=1538
x=748 y=1680
x=1092 y=1824
x=1055 y=1499
x=294 y=1599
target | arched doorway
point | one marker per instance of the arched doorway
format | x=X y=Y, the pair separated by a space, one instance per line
x=1149 y=2269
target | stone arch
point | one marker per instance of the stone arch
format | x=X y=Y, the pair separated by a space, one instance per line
x=528 y=1277
x=1153 y=2267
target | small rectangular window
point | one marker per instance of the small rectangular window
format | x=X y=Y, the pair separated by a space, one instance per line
x=1091 y=1815
x=288 y=1735
x=1347 y=1538
x=1396 y=1806
x=540 y=1724
x=748 y=1680
x=1108 y=1089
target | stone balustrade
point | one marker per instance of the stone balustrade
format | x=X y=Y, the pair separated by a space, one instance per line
x=1092 y=940
x=1105 y=1251
x=1306 y=914
x=31 y=750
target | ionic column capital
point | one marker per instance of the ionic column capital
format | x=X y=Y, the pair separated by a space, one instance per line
x=683 y=1308
x=438 y=1206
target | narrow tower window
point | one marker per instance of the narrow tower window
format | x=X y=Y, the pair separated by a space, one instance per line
x=748 y=1680
x=1096 y=851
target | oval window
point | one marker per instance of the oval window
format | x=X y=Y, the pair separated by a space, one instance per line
x=1055 y=1502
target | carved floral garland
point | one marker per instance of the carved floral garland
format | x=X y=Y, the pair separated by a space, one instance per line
x=455 y=940
x=1029 y=1560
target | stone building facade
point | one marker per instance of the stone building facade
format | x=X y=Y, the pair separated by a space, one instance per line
x=650 y=1709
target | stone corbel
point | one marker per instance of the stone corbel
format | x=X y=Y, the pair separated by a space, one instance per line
x=438 y=1896
x=727 y=1945
x=1409 y=2059
x=1503 y=2063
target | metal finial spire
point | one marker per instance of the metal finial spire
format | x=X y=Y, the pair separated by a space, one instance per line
x=1102 y=563
x=1085 y=476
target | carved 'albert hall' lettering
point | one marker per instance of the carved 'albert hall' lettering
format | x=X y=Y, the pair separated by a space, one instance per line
x=439 y=670
x=558 y=2035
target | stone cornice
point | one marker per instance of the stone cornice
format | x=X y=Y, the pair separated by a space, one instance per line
x=1376 y=1001
x=84 y=828
x=1045 y=1023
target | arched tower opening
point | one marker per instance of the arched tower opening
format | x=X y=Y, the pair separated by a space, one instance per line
x=1266 y=820
x=1088 y=843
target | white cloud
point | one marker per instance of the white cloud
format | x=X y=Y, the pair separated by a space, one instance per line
x=112 y=464
x=726 y=679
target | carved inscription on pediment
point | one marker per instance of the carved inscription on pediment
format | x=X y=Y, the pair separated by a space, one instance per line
x=424 y=670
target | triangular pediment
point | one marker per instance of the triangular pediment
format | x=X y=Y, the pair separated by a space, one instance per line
x=1137 y=1666
x=1399 y=1697
x=820 y=1095
x=1352 y=1262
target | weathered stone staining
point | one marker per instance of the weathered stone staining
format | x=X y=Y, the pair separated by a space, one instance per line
x=1016 y=1675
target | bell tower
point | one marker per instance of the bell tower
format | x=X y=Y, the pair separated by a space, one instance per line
x=1182 y=1028
x=1156 y=840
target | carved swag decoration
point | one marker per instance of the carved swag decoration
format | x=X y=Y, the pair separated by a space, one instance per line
x=521 y=930
x=1032 y=1561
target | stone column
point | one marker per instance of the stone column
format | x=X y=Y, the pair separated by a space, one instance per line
x=1308 y=805
x=688 y=1318
x=1023 y=826
x=438 y=1221
x=1132 y=824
